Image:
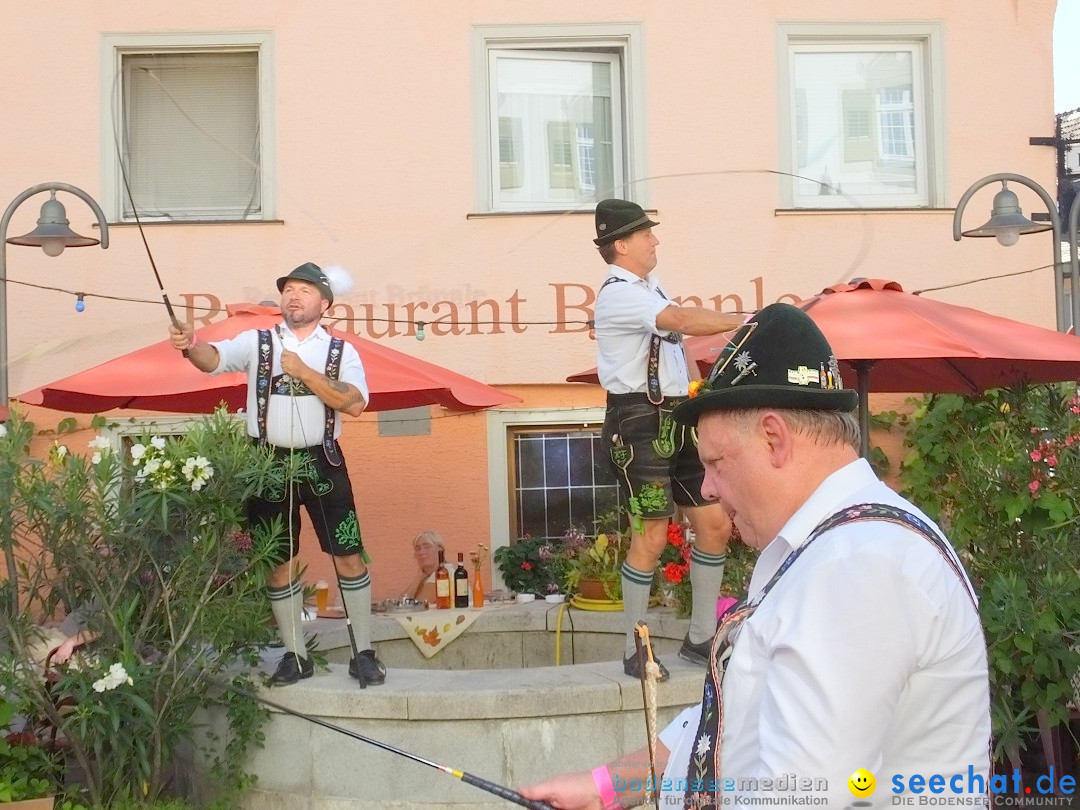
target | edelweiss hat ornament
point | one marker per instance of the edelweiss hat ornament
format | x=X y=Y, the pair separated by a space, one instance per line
x=777 y=359
x=334 y=280
x=616 y=219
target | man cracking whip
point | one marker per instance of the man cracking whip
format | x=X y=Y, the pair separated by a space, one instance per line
x=300 y=381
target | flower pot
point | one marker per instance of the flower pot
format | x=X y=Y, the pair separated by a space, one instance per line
x=31 y=804
x=595 y=589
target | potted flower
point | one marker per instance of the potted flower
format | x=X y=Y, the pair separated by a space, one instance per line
x=593 y=569
x=532 y=565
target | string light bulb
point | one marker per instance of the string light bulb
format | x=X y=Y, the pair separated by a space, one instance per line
x=420 y=330
x=80 y=304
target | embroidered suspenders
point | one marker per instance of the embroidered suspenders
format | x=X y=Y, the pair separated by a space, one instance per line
x=652 y=369
x=704 y=770
x=333 y=368
x=262 y=381
x=265 y=385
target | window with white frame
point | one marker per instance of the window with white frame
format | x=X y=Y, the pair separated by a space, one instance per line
x=558 y=123
x=861 y=115
x=191 y=119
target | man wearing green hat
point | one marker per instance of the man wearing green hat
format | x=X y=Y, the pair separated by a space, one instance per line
x=642 y=365
x=859 y=645
x=300 y=381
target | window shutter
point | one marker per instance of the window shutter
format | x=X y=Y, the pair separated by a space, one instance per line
x=191 y=134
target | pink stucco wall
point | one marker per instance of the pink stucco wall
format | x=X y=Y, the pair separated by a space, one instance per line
x=375 y=170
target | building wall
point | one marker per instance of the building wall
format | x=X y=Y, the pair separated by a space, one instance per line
x=375 y=169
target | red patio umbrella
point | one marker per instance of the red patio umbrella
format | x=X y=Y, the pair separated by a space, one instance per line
x=158 y=378
x=888 y=340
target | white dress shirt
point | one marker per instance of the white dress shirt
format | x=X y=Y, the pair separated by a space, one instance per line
x=291 y=421
x=625 y=321
x=867 y=653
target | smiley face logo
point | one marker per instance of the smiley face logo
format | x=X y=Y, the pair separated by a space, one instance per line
x=862 y=783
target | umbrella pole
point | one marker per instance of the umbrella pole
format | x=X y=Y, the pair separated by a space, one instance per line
x=862 y=382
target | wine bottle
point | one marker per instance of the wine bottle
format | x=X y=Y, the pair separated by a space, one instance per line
x=461 y=583
x=442 y=584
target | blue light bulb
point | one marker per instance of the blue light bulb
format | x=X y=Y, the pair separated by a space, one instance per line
x=420 y=330
x=80 y=305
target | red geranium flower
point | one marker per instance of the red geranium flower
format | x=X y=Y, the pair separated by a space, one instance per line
x=526 y=565
x=673 y=572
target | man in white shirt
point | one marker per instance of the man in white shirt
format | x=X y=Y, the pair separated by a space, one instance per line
x=300 y=381
x=642 y=365
x=859 y=646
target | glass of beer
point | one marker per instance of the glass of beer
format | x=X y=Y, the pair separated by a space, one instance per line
x=322 y=597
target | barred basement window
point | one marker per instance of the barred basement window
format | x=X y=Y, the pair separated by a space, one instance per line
x=560 y=477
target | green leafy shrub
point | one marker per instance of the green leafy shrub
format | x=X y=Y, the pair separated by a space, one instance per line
x=1001 y=473
x=148 y=548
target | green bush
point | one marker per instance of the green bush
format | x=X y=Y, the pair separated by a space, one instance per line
x=149 y=548
x=1001 y=473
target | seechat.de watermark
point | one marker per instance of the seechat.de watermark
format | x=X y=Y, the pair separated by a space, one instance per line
x=1008 y=789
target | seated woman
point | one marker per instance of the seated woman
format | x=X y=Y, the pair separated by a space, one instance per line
x=426 y=548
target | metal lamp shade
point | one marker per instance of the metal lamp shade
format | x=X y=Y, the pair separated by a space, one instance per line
x=1007 y=214
x=53 y=225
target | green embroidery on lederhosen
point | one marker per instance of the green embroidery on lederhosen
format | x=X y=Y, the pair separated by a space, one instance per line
x=652 y=497
x=274 y=493
x=309 y=472
x=347 y=535
x=664 y=444
x=622 y=455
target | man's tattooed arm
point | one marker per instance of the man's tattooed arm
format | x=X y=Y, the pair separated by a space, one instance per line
x=338 y=395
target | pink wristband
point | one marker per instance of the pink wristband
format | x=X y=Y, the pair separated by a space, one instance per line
x=602 y=779
x=194 y=340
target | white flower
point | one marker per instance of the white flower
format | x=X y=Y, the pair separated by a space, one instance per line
x=158 y=442
x=166 y=464
x=197 y=470
x=61 y=450
x=138 y=451
x=703 y=745
x=101 y=443
x=152 y=466
x=3 y=430
x=96 y=458
x=116 y=676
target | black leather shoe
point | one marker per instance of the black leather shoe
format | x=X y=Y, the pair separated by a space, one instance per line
x=367 y=669
x=291 y=669
x=631 y=667
x=695 y=653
